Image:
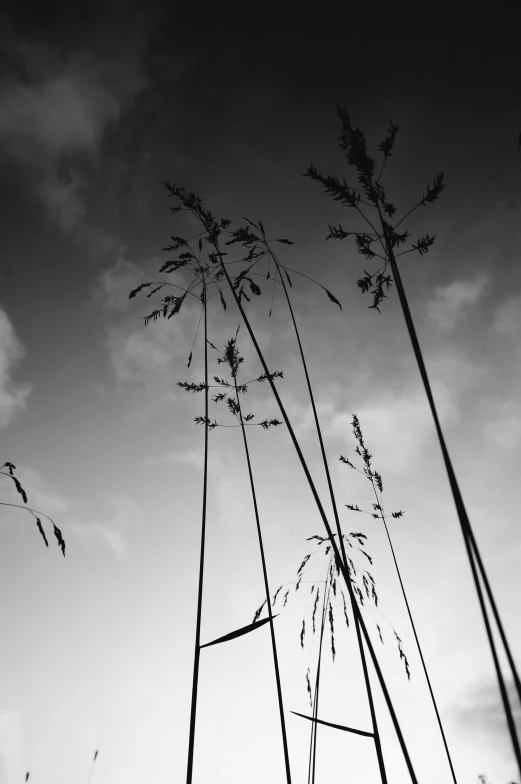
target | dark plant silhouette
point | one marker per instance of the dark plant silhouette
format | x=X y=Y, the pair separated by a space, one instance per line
x=213 y=229
x=95 y=757
x=230 y=394
x=34 y=512
x=364 y=587
x=381 y=244
x=378 y=512
x=247 y=239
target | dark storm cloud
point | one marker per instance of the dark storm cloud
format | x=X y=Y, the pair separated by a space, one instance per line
x=59 y=97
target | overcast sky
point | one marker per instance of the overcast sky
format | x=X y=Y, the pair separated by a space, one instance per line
x=97 y=109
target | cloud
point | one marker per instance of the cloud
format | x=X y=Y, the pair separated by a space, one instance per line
x=115 y=283
x=503 y=427
x=13 y=397
x=55 y=110
x=189 y=457
x=483 y=710
x=507 y=317
x=123 y=515
x=141 y=357
x=450 y=303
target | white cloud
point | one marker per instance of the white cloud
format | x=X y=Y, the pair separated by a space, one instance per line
x=143 y=356
x=123 y=515
x=114 y=283
x=189 y=457
x=503 y=427
x=13 y=397
x=450 y=303
x=507 y=318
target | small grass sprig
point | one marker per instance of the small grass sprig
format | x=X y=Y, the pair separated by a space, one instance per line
x=378 y=512
x=11 y=468
x=231 y=357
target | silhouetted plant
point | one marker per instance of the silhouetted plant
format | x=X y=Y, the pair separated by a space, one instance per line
x=34 y=512
x=364 y=587
x=214 y=230
x=378 y=513
x=247 y=239
x=95 y=757
x=371 y=193
x=230 y=394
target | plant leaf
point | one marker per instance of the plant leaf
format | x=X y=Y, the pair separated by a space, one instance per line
x=40 y=528
x=238 y=632
x=332 y=298
x=135 y=291
x=336 y=726
x=59 y=537
x=20 y=489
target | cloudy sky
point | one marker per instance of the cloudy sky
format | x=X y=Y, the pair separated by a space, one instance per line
x=97 y=109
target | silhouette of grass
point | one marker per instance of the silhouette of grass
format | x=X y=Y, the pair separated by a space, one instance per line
x=34 y=512
x=371 y=193
x=212 y=229
x=378 y=512
x=230 y=394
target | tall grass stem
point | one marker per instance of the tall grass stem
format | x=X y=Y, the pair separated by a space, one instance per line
x=343 y=569
x=468 y=535
x=197 y=648
x=266 y=588
x=378 y=745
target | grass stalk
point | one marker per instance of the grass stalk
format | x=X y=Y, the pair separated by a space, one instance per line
x=266 y=584
x=197 y=646
x=191 y=203
x=89 y=779
x=341 y=565
x=375 y=479
x=466 y=529
x=354 y=147
x=314 y=725
x=378 y=745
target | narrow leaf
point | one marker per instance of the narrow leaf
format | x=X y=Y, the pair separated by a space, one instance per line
x=336 y=726
x=135 y=291
x=40 y=528
x=332 y=298
x=20 y=489
x=238 y=632
x=59 y=537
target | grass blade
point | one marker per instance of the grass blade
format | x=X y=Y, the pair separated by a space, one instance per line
x=238 y=632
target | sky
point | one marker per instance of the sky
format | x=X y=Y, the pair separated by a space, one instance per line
x=99 y=105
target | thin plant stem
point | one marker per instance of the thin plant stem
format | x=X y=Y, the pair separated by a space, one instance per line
x=197 y=648
x=342 y=567
x=377 y=742
x=266 y=587
x=468 y=535
x=314 y=728
x=488 y=589
x=90 y=773
x=413 y=626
